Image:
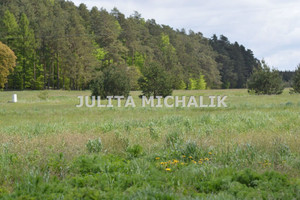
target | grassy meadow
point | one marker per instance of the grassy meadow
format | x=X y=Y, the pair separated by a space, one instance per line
x=49 y=149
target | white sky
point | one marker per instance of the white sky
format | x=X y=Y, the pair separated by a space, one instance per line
x=270 y=28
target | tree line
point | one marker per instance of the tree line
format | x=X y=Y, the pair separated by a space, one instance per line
x=62 y=46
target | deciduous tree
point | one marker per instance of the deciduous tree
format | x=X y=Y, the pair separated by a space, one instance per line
x=7 y=63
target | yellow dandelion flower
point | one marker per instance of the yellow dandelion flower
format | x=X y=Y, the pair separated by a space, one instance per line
x=182 y=163
x=168 y=169
x=157 y=158
x=201 y=159
x=183 y=156
x=176 y=161
x=207 y=159
x=200 y=162
x=190 y=157
x=209 y=153
x=194 y=161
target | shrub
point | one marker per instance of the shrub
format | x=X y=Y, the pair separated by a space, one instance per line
x=135 y=151
x=265 y=81
x=94 y=146
x=155 y=81
x=296 y=80
x=112 y=81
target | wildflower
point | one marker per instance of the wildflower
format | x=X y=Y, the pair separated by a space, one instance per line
x=182 y=163
x=190 y=157
x=175 y=161
x=194 y=161
x=183 y=156
x=157 y=158
x=209 y=153
x=200 y=162
x=162 y=163
x=168 y=169
x=207 y=159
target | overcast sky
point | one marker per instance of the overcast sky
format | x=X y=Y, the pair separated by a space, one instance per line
x=270 y=28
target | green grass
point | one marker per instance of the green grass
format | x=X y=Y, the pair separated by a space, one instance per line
x=51 y=150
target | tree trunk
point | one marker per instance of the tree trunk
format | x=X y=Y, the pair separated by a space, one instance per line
x=57 y=62
x=34 y=72
x=49 y=76
x=53 y=75
x=45 y=75
x=64 y=86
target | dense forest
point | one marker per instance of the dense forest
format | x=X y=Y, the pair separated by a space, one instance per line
x=61 y=46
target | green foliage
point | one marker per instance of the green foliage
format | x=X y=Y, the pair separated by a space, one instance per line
x=155 y=81
x=10 y=25
x=182 y=85
x=111 y=177
x=26 y=58
x=134 y=151
x=134 y=74
x=192 y=84
x=112 y=81
x=197 y=84
x=296 y=80
x=166 y=46
x=235 y=62
x=265 y=81
x=100 y=54
x=52 y=55
x=201 y=83
x=94 y=146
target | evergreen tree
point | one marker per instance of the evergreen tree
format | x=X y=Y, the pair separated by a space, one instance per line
x=111 y=81
x=55 y=43
x=265 y=81
x=192 y=84
x=201 y=83
x=155 y=81
x=9 y=30
x=26 y=53
x=296 y=80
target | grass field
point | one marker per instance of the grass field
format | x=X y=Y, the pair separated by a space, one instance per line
x=52 y=150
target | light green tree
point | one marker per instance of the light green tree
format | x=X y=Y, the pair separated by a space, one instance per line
x=201 y=83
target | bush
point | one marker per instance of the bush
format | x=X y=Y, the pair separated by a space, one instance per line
x=296 y=80
x=112 y=81
x=265 y=81
x=155 y=81
x=94 y=146
x=134 y=151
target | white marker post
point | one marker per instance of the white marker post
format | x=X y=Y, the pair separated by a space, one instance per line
x=14 y=98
